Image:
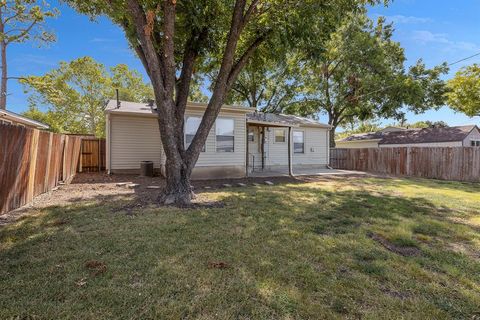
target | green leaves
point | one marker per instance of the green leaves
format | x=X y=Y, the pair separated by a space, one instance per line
x=464 y=91
x=77 y=91
x=23 y=21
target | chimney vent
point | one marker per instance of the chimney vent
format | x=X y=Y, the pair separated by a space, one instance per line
x=118 y=99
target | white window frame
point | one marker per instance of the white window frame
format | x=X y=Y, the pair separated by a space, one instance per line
x=204 y=149
x=304 y=141
x=475 y=143
x=216 y=143
x=275 y=136
x=249 y=130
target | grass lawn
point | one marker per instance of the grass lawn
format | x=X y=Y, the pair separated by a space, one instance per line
x=343 y=248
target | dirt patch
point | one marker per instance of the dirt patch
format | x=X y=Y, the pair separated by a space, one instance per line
x=218 y=265
x=96 y=267
x=403 y=251
x=112 y=190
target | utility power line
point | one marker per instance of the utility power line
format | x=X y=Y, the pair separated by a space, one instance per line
x=449 y=64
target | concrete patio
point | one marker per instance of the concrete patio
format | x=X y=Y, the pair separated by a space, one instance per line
x=304 y=172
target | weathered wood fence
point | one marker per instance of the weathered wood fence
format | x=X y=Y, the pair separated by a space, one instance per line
x=456 y=164
x=33 y=162
x=93 y=157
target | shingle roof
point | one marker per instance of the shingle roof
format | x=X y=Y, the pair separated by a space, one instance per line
x=9 y=115
x=283 y=119
x=145 y=108
x=426 y=135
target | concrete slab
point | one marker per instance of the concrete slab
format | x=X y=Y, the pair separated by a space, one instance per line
x=304 y=172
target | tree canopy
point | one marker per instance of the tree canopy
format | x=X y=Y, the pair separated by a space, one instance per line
x=76 y=93
x=464 y=91
x=176 y=39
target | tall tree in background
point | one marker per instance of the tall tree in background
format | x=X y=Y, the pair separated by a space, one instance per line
x=176 y=38
x=77 y=91
x=21 y=21
x=268 y=82
x=464 y=91
x=361 y=75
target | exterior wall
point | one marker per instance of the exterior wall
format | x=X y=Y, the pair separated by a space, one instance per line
x=425 y=145
x=356 y=145
x=474 y=135
x=276 y=153
x=133 y=139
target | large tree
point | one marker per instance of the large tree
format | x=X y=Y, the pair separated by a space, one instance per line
x=361 y=76
x=173 y=39
x=464 y=91
x=76 y=93
x=20 y=21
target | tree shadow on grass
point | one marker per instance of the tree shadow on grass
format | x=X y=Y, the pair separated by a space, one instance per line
x=292 y=251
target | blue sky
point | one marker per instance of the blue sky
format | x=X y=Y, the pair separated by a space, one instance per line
x=436 y=31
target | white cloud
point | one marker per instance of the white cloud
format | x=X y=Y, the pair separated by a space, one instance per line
x=426 y=37
x=407 y=19
x=102 y=40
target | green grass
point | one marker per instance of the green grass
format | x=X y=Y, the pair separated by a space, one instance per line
x=322 y=250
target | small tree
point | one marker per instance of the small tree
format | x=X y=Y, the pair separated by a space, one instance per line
x=464 y=91
x=20 y=21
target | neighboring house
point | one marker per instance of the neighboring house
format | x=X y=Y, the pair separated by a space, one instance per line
x=461 y=136
x=14 y=118
x=133 y=136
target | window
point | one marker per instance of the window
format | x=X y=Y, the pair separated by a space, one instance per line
x=225 y=135
x=475 y=143
x=298 y=142
x=280 y=136
x=191 y=127
x=251 y=135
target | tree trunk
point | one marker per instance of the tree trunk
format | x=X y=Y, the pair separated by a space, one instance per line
x=332 y=137
x=178 y=190
x=3 y=86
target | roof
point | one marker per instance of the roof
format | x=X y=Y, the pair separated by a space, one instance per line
x=282 y=120
x=16 y=118
x=409 y=136
x=147 y=109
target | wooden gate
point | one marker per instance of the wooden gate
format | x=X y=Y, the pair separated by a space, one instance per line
x=93 y=155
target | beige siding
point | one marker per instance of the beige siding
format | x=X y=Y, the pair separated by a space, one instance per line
x=474 y=135
x=316 y=148
x=356 y=145
x=433 y=144
x=213 y=158
x=134 y=139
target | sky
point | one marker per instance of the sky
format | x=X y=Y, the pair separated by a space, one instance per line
x=433 y=30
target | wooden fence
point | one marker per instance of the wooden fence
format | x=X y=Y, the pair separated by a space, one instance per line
x=33 y=162
x=456 y=164
x=93 y=157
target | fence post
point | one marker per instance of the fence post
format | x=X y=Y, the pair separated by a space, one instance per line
x=46 y=183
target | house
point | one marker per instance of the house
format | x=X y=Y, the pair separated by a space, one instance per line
x=9 y=117
x=461 y=136
x=242 y=141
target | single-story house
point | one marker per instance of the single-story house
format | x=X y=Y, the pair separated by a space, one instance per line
x=9 y=117
x=461 y=136
x=241 y=142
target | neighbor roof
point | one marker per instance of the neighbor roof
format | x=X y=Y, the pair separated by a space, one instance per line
x=15 y=117
x=285 y=120
x=425 y=135
x=147 y=109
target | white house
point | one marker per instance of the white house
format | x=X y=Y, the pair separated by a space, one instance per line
x=132 y=136
x=9 y=117
x=461 y=136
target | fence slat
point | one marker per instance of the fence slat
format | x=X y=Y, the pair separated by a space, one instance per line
x=443 y=163
x=31 y=162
